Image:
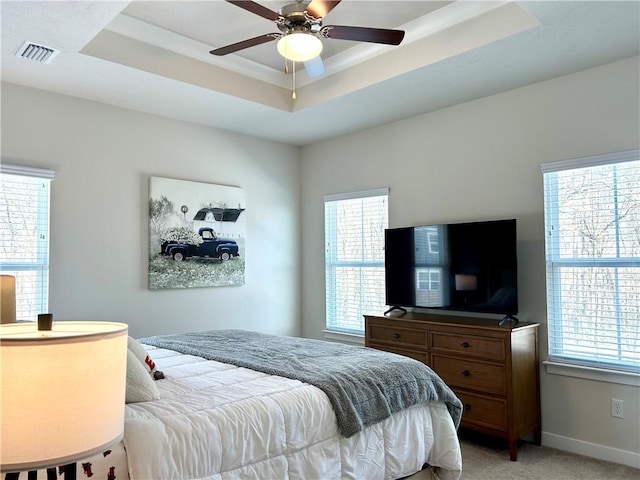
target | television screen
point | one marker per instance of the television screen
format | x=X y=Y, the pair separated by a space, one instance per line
x=462 y=266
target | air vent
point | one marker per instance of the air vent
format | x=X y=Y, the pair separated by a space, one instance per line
x=37 y=53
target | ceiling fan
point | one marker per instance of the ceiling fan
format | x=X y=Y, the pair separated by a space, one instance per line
x=301 y=28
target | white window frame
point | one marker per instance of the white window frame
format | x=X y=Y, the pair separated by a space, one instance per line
x=433 y=240
x=40 y=267
x=557 y=363
x=433 y=278
x=331 y=331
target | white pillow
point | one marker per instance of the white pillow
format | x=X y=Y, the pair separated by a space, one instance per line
x=140 y=385
x=141 y=354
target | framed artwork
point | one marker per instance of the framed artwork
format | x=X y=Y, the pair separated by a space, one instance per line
x=196 y=234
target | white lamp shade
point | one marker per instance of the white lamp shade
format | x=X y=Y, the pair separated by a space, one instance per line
x=63 y=392
x=466 y=283
x=8 y=299
x=299 y=47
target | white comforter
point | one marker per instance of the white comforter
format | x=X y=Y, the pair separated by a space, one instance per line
x=218 y=421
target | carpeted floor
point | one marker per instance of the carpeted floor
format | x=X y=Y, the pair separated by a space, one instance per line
x=484 y=458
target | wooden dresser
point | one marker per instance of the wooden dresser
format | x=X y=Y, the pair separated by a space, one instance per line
x=492 y=369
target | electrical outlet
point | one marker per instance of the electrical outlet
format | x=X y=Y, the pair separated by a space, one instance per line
x=617 y=408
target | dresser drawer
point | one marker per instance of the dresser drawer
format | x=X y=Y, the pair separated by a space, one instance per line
x=485 y=411
x=460 y=372
x=491 y=348
x=420 y=356
x=404 y=336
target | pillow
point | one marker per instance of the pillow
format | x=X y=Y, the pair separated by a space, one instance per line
x=141 y=354
x=140 y=386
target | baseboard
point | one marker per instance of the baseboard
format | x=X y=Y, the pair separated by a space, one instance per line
x=601 y=452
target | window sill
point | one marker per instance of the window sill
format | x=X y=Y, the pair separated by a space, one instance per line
x=342 y=337
x=590 y=373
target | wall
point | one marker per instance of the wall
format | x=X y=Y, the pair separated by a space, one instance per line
x=103 y=157
x=478 y=161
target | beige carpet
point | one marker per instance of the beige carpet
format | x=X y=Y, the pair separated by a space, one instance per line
x=488 y=459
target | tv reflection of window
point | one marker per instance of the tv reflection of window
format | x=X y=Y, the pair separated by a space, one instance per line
x=431 y=265
x=429 y=279
x=433 y=241
x=429 y=286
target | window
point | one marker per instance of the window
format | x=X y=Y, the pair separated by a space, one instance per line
x=592 y=222
x=428 y=279
x=24 y=236
x=354 y=257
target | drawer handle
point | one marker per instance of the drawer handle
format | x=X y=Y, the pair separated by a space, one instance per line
x=396 y=335
x=465 y=344
x=467 y=407
x=466 y=373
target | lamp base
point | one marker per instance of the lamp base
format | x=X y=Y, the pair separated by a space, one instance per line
x=69 y=471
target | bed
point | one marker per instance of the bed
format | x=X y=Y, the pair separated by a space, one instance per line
x=236 y=404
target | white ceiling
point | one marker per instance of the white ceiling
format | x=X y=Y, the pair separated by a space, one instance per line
x=152 y=56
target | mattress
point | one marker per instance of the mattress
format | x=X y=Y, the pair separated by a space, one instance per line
x=217 y=421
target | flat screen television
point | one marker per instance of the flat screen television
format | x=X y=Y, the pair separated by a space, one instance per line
x=466 y=267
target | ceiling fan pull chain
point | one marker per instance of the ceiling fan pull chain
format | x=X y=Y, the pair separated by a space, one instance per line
x=293 y=78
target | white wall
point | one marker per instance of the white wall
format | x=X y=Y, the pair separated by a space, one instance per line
x=481 y=160
x=103 y=157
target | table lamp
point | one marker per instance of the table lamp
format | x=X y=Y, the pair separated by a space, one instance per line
x=7 y=299
x=466 y=283
x=63 y=392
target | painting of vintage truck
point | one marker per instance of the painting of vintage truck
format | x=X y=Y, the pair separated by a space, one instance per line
x=196 y=234
x=208 y=245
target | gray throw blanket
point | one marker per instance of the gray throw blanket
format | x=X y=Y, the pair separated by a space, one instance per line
x=364 y=385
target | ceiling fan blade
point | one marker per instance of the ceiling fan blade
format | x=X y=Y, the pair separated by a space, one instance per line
x=315 y=67
x=320 y=8
x=363 y=34
x=256 y=8
x=251 y=42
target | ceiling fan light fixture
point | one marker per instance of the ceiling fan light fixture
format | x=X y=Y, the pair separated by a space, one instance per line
x=299 y=46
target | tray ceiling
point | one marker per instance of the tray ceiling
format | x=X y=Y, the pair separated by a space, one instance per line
x=153 y=56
